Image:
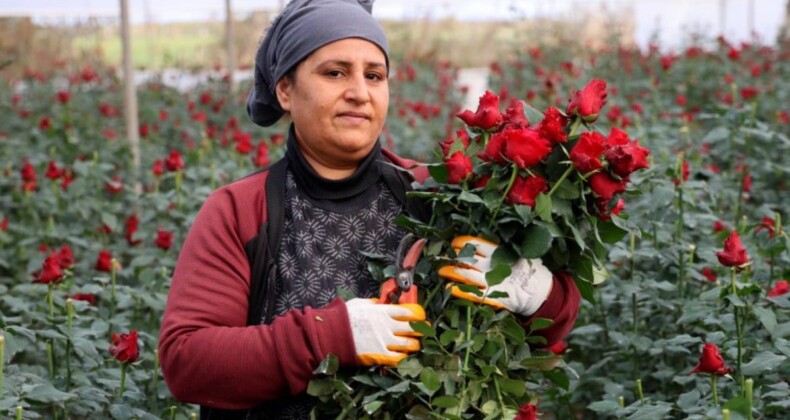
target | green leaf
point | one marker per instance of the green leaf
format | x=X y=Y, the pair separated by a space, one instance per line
x=448 y=337
x=498 y=274
x=739 y=405
x=445 y=401
x=537 y=241
x=607 y=406
x=430 y=379
x=468 y=197
x=762 y=362
x=524 y=212
x=533 y=115
x=439 y=172
x=328 y=366
x=586 y=289
x=766 y=317
x=716 y=135
x=513 y=330
x=654 y=411
x=558 y=377
x=504 y=255
x=46 y=393
x=410 y=367
x=626 y=225
x=423 y=328
x=540 y=324
x=320 y=387
x=610 y=233
x=543 y=207
x=373 y=406
x=515 y=387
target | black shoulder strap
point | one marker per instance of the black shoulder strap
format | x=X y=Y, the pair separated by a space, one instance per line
x=399 y=182
x=266 y=247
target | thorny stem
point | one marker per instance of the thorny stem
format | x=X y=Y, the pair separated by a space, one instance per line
x=123 y=379
x=561 y=179
x=499 y=397
x=713 y=379
x=513 y=176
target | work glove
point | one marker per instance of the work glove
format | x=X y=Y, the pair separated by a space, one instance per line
x=382 y=334
x=527 y=287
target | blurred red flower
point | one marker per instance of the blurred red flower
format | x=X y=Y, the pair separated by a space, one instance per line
x=164 y=239
x=709 y=274
x=51 y=271
x=588 y=101
x=780 y=288
x=768 y=224
x=131 y=224
x=85 y=297
x=53 y=172
x=734 y=253
x=527 y=412
x=63 y=96
x=124 y=347
x=114 y=186
x=711 y=361
x=158 y=168
x=104 y=261
x=174 y=162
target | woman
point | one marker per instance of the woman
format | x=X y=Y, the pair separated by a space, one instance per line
x=252 y=309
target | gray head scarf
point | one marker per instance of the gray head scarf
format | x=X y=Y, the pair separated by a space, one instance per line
x=303 y=27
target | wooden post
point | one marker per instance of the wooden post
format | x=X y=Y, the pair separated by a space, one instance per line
x=722 y=16
x=231 y=46
x=130 y=94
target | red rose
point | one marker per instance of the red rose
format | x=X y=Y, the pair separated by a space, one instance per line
x=487 y=115
x=527 y=412
x=552 y=126
x=459 y=167
x=709 y=274
x=768 y=224
x=131 y=224
x=174 y=161
x=617 y=137
x=780 y=288
x=158 y=168
x=66 y=180
x=124 y=347
x=711 y=361
x=684 y=173
x=482 y=181
x=144 y=130
x=605 y=186
x=243 y=142
x=164 y=239
x=514 y=115
x=53 y=172
x=603 y=208
x=719 y=226
x=63 y=96
x=114 y=186
x=747 y=183
x=588 y=102
x=495 y=149
x=104 y=261
x=734 y=254
x=4 y=224
x=65 y=257
x=525 y=190
x=524 y=147
x=558 y=348
x=261 y=155
x=625 y=159
x=586 y=154
x=447 y=144
x=50 y=272
x=749 y=92
x=44 y=123
x=28 y=172
x=85 y=297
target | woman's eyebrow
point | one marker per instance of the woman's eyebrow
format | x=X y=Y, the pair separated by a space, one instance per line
x=347 y=64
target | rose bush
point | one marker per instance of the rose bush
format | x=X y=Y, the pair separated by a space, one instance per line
x=719 y=164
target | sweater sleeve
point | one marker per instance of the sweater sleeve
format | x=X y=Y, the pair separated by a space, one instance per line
x=209 y=356
x=561 y=306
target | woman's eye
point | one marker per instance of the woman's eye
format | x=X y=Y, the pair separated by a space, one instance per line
x=334 y=73
x=375 y=76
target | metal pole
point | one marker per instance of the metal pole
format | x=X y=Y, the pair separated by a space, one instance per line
x=231 y=47
x=130 y=94
x=751 y=19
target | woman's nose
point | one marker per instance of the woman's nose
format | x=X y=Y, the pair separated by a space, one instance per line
x=357 y=88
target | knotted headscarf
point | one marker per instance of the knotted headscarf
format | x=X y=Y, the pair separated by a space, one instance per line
x=303 y=27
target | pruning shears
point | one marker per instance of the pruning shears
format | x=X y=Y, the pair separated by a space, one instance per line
x=401 y=288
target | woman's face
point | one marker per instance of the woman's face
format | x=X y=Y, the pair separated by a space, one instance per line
x=338 y=101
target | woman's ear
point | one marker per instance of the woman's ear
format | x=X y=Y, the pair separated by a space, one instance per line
x=283 y=89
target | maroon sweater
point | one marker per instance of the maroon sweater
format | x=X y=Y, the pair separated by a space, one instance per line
x=210 y=356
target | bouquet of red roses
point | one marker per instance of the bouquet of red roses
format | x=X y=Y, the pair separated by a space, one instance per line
x=540 y=185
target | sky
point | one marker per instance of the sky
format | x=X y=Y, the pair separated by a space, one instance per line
x=669 y=19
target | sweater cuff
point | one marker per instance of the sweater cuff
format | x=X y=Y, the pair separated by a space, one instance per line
x=333 y=329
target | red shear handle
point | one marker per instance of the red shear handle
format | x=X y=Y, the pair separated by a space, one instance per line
x=390 y=288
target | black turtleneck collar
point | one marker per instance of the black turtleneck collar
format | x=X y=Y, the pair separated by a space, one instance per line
x=320 y=188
